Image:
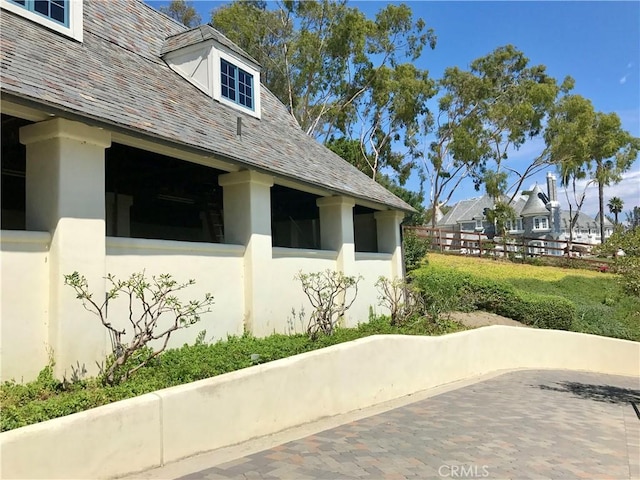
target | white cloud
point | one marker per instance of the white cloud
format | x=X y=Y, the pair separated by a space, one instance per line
x=628 y=190
x=630 y=64
x=623 y=80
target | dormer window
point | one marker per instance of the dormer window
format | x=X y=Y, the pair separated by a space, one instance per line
x=216 y=66
x=62 y=16
x=236 y=84
x=540 y=223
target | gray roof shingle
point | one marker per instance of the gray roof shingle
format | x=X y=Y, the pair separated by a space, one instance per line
x=116 y=77
x=201 y=34
x=535 y=204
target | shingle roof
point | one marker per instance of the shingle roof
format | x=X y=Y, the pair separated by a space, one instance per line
x=584 y=221
x=607 y=222
x=116 y=77
x=201 y=34
x=536 y=204
x=469 y=210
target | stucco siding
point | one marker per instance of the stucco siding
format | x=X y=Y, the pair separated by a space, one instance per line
x=24 y=299
x=216 y=268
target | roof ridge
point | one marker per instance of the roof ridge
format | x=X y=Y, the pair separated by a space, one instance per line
x=163 y=14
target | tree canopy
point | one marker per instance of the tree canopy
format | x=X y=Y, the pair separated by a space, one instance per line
x=485 y=113
x=351 y=82
x=340 y=73
x=183 y=12
x=590 y=146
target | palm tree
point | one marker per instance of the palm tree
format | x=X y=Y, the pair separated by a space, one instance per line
x=615 y=206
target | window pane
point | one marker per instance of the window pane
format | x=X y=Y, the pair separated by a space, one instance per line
x=57 y=10
x=228 y=80
x=245 y=83
x=42 y=6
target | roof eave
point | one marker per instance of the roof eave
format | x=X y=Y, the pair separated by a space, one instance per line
x=52 y=110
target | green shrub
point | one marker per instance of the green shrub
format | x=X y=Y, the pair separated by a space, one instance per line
x=543 y=311
x=446 y=290
x=601 y=320
x=415 y=250
x=46 y=397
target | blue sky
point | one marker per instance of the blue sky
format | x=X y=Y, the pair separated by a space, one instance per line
x=597 y=43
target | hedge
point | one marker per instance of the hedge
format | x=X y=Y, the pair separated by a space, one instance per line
x=450 y=290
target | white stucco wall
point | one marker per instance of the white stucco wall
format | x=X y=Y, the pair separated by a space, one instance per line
x=225 y=410
x=24 y=303
x=371 y=266
x=216 y=268
x=286 y=292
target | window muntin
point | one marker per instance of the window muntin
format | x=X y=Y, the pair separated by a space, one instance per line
x=236 y=84
x=55 y=10
x=540 y=223
x=512 y=225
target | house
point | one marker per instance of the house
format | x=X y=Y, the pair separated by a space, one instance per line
x=129 y=144
x=539 y=220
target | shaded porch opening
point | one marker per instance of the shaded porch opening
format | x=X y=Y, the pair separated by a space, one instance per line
x=153 y=196
x=365 y=229
x=295 y=218
x=13 y=166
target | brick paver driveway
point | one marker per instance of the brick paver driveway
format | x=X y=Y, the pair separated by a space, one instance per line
x=523 y=424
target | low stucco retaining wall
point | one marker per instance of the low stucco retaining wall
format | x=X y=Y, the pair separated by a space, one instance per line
x=160 y=427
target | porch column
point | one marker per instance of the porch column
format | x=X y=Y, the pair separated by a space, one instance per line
x=247 y=221
x=389 y=239
x=65 y=196
x=336 y=230
x=336 y=233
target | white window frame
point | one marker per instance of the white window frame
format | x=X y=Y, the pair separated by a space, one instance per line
x=540 y=220
x=73 y=30
x=514 y=225
x=219 y=54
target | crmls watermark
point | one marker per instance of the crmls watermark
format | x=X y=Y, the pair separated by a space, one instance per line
x=463 y=471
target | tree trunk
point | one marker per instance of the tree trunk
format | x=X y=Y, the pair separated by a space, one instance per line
x=601 y=207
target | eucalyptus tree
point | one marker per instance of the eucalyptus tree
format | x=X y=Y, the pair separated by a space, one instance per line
x=340 y=73
x=351 y=150
x=615 y=206
x=589 y=146
x=613 y=152
x=485 y=113
x=183 y=12
x=569 y=138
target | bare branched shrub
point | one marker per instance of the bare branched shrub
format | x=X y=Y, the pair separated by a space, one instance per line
x=401 y=298
x=148 y=300
x=330 y=295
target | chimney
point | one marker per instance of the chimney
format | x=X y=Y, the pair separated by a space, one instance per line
x=552 y=191
x=554 y=205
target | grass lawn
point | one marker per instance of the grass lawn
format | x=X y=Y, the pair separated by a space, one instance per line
x=602 y=307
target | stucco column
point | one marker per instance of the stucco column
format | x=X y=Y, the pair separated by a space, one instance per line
x=337 y=233
x=247 y=221
x=389 y=240
x=65 y=196
x=336 y=230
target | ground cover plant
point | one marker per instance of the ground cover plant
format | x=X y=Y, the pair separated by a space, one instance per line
x=599 y=302
x=47 y=397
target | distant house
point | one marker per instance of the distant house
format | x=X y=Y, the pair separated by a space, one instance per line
x=539 y=219
x=132 y=143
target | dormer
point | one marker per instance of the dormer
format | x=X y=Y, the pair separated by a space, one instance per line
x=62 y=16
x=217 y=66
